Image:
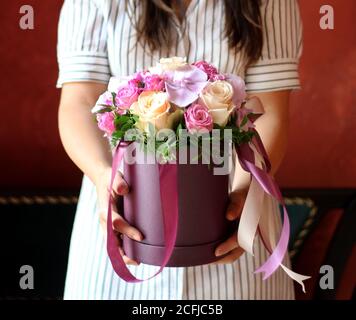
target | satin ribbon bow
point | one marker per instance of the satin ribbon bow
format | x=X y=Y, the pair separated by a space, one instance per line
x=253 y=158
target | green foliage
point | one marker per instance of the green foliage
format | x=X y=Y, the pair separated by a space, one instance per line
x=123 y=123
x=105 y=108
x=166 y=149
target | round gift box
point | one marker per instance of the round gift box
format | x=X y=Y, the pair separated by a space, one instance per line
x=202 y=223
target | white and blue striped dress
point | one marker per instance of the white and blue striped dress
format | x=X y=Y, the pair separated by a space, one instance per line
x=96 y=40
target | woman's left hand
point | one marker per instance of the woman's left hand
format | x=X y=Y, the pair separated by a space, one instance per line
x=230 y=246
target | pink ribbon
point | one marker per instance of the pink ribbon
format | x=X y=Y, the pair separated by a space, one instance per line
x=249 y=222
x=246 y=158
x=169 y=203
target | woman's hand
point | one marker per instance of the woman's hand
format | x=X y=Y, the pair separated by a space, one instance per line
x=119 y=224
x=276 y=116
x=230 y=246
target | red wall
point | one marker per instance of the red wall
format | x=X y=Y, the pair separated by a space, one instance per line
x=321 y=150
x=31 y=150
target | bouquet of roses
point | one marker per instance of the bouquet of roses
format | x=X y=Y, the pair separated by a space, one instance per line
x=177 y=96
x=159 y=104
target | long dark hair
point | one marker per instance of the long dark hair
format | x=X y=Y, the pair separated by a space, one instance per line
x=242 y=28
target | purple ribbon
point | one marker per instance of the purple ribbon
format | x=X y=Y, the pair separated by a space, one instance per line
x=169 y=202
x=266 y=181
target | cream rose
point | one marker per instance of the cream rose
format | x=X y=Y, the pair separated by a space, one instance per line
x=153 y=107
x=217 y=96
x=168 y=64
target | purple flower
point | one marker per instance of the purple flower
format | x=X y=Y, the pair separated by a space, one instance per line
x=197 y=117
x=106 y=122
x=210 y=70
x=184 y=85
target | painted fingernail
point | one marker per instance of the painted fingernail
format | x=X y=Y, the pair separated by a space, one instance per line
x=122 y=189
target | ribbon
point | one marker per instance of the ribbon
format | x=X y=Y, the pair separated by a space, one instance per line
x=169 y=203
x=262 y=184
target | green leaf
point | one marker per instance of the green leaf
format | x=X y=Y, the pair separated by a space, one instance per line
x=179 y=127
x=126 y=126
x=105 y=109
x=121 y=120
x=114 y=98
x=244 y=121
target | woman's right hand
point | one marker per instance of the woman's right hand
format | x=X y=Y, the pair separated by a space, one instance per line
x=119 y=224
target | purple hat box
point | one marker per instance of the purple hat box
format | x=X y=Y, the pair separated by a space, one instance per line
x=202 y=225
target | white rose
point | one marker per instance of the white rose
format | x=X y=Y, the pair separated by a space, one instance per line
x=217 y=96
x=154 y=107
x=168 y=64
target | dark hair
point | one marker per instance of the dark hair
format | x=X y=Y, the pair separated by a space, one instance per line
x=243 y=26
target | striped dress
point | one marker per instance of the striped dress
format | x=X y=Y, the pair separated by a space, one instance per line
x=97 y=40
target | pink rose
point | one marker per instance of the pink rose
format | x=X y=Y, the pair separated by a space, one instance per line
x=106 y=122
x=210 y=70
x=217 y=77
x=153 y=82
x=197 y=117
x=138 y=77
x=135 y=83
x=137 y=80
x=126 y=96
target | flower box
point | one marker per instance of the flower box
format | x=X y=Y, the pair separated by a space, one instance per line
x=202 y=204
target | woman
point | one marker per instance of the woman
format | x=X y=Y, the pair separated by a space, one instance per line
x=259 y=40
